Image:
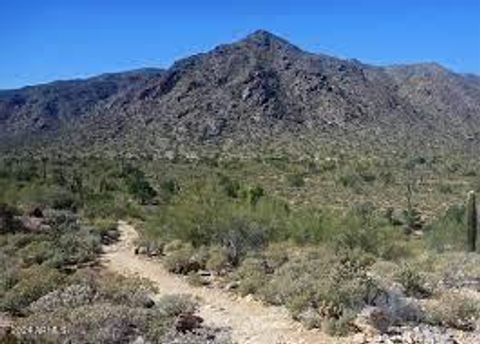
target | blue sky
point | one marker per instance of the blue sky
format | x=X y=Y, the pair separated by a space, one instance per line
x=44 y=40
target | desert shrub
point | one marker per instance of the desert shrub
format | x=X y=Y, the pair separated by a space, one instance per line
x=412 y=280
x=252 y=276
x=310 y=318
x=52 y=196
x=341 y=326
x=100 y=205
x=277 y=254
x=205 y=215
x=72 y=296
x=310 y=226
x=33 y=283
x=139 y=186
x=18 y=241
x=134 y=292
x=169 y=186
x=242 y=236
x=87 y=287
x=175 y=304
x=75 y=247
x=9 y=273
x=107 y=229
x=173 y=246
x=59 y=198
x=85 y=313
x=453 y=309
x=181 y=260
x=350 y=180
x=230 y=187
x=321 y=284
x=26 y=171
x=254 y=194
x=387 y=177
x=371 y=234
x=36 y=252
x=452 y=270
x=327 y=164
x=449 y=231
x=7 y=220
x=218 y=259
x=386 y=271
x=296 y=180
x=445 y=188
x=95 y=323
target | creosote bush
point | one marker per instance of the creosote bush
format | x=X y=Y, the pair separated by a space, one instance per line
x=102 y=309
x=413 y=281
x=317 y=285
x=454 y=309
x=33 y=283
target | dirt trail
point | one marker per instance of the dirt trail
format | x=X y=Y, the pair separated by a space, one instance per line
x=249 y=321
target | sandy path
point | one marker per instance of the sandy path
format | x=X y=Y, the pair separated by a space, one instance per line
x=250 y=322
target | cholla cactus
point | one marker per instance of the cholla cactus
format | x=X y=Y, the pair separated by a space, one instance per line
x=472 y=222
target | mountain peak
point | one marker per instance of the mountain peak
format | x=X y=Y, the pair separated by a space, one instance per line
x=264 y=38
x=262 y=34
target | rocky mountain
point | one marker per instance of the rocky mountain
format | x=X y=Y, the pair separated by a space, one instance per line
x=43 y=110
x=259 y=93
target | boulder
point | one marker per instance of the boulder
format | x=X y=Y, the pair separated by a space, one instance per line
x=187 y=322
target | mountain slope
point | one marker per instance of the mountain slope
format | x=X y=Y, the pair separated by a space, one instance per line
x=265 y=92
x=46 y=108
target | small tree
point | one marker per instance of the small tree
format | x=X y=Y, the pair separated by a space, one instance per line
x=139 y=186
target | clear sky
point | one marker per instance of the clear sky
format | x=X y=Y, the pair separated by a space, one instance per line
x=44 y=40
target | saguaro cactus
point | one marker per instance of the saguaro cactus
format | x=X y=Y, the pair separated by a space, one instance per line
x=472 y=221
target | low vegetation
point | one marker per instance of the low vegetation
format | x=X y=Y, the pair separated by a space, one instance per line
x=375 y=239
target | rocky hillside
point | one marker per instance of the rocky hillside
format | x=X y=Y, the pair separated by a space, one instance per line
x=259 y=92
x=45 y=109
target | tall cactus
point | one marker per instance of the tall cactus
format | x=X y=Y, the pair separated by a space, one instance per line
x=472 y=221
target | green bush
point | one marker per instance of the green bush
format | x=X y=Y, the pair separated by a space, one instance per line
x=373 y=235
x=175 y=304
x=315 y=284
x=252 y=276
x=103 y=308
x=138 y=185
x=61 y=199
x=95 y=323
x=33 y=283
x=7 y=220
x=75 y=247
x=413 y=281
x=181 y=260
x=9 y=273
x=449 y=232
x=296 y=180
x=36 y=252
x=350 y=180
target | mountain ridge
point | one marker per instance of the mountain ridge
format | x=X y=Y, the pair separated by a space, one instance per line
x=256 y=92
